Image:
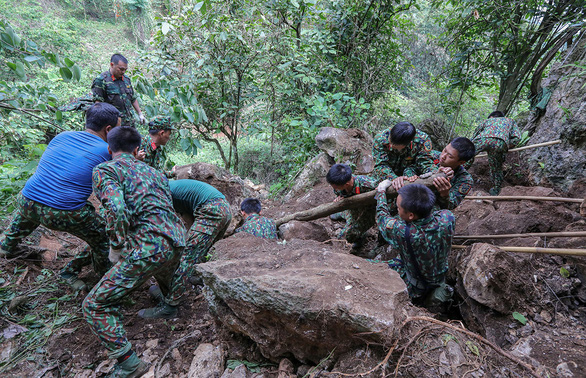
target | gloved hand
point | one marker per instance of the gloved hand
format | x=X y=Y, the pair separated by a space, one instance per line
x=142 y=119
x=114 y=255
x=383 y=186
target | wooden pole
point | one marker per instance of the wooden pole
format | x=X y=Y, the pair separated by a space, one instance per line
x=527 y=198
x=557 y=141
x=359 y=200
x=553 y=251
x=529 y=234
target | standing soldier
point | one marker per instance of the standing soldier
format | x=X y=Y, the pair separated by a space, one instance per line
x=211 y=217
x=146 y=239
x=115 y=88
x=423 y=238
x=254 y=223
x=401 y=153
x=495 y=136
x=345 y=184
x=56 y=196
x=152 y=148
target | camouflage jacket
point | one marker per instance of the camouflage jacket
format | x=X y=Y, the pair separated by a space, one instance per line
x=362 y=184
x=118 y=92
x=136 y=203
x=260 y=226
x=155 y=156
x=499 y=127
x=462 y=183
x=415 y=159
x=430 y=238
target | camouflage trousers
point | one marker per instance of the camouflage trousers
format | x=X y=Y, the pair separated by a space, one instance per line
x=101 y=307
x=210 y=223
x=497 y=151
x=415 y=286
x=358 y=222
x=83 y=223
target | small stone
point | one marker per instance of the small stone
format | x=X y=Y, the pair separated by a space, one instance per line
x=152 y=343
x=546 y=316
x=355 y=266
x=286 y=368
x=303 y=370
x=564 y=369
x=105 y=366
x=176 y=355
x=165 y=370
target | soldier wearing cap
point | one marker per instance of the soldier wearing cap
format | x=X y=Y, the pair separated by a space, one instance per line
x=152 y=149
x=115 y=88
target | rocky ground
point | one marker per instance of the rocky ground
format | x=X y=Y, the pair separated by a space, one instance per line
x=305 y=307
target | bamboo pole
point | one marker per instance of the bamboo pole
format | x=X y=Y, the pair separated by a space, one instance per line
x=526 y=235
x=528 y=198
x=357 y=201
x=553 y=251
x=557 y=141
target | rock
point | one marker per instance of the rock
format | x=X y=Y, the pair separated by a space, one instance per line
x=314 y=171
x=348 y=146
x=291 y=299
x=303 y=370
x=561 y=165
x=239 y=372
x=564 y=369
x=153 y=343
x=165 y=370
x=233 y=187
x=176 y=355
x=208 y=362
x=286 y=368
x=493 y=278
x=358 y=361
x=303 y=230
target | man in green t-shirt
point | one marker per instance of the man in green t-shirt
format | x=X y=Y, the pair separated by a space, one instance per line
x=211 y=217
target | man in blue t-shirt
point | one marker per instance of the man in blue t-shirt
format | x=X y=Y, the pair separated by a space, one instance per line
x=56 y=196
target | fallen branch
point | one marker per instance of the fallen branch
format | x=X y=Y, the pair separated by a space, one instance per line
x=474 y=336
x=357 y=201
x=553 y=251
x=557 y=141
x=529 y=234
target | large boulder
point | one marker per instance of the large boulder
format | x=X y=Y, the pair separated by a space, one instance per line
x=233 y=187
x=302 y=298
x=561 y=165
x=314 y=171
x=348 y=146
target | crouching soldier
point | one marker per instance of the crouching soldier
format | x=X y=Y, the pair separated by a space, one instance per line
x=345 y=184
x=453 y=188
x=146 y=239
x=423 y=239
x=254 y=223
x=211 y=217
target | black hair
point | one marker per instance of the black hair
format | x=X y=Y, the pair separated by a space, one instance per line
x=496 y=114
x=100 y=115
x=339 y=174
x=418 y=199
x=402 y=133
x=117 y=58
x=251 y=205
x=465 y=147
x=154 y=131
x=123 y=139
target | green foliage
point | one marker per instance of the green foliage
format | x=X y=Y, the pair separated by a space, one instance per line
x=253 y=367
x=520 y=318
x=564 y=272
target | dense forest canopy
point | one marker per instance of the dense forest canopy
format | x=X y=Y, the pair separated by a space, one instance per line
x=251 y=83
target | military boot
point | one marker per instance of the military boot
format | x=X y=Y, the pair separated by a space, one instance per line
x=75 y=283
x=132 y=367
x=161 y=311
x=156 y=293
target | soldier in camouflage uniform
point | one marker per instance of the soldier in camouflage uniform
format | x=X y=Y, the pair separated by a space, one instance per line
x=345 y=184
x=152 y=148
x=146 y=236
x=115 y=88
x=495 y=136
x=211 y=217
x=56 y=196
x=423 y=237
x=401 y=153
x=453 y=188
x=254 y=223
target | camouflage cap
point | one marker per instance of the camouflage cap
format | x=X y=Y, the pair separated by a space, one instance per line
x=161 y=123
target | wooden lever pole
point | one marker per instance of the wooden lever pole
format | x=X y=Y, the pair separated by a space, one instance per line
x=557 y=141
